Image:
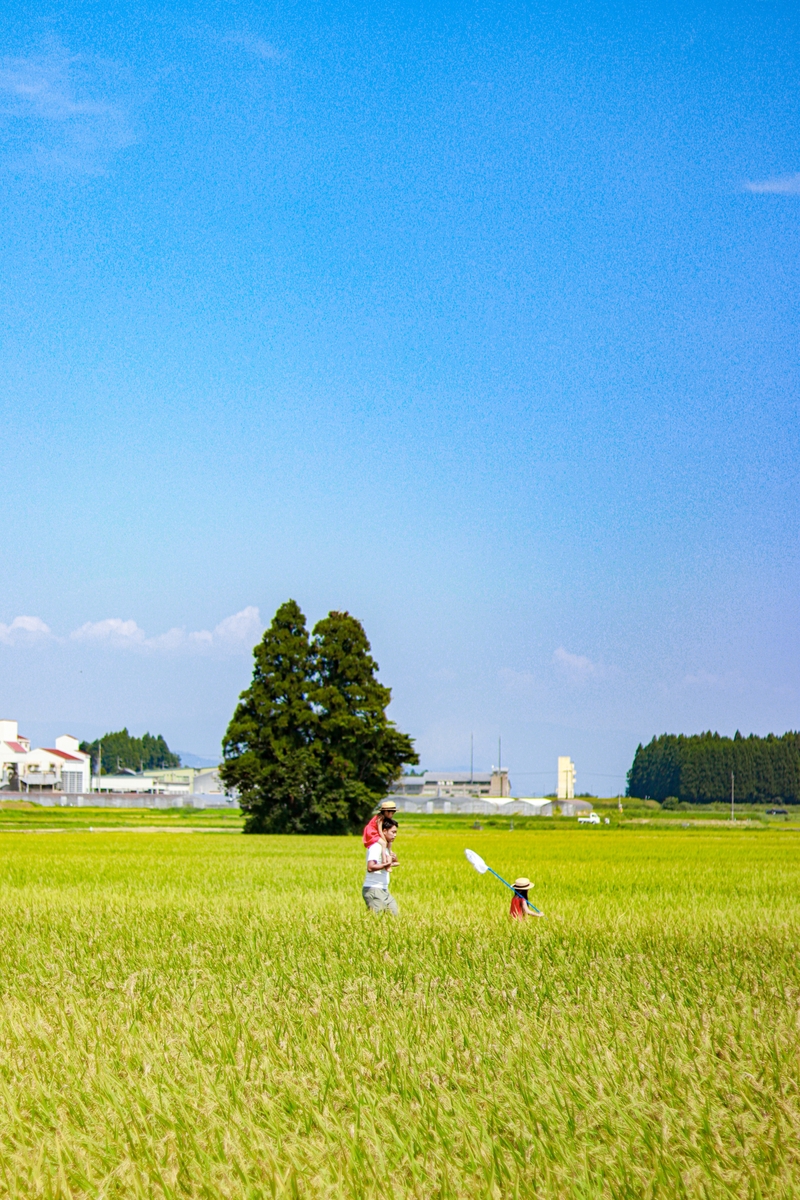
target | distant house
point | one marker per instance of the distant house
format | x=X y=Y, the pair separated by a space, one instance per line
x=60 y=768
x=13 y=752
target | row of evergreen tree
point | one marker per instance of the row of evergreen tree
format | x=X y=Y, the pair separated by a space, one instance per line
x=310 y=748
x=699 y=768
x=120 y=751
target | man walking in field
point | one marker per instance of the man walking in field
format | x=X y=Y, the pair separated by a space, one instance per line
x=380 y=861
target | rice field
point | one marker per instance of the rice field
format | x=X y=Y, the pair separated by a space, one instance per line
x=218 y=1016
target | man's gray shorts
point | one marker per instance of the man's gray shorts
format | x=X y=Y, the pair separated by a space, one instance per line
x=379 y=900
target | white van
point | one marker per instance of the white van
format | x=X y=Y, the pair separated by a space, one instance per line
x=589 y=819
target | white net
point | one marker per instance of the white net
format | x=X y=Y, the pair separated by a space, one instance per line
x=477 y=862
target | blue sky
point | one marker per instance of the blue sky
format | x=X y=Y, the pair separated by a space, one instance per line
x=479 y=322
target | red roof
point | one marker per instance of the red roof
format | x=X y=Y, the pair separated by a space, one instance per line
x=61 y=754
x=17 y=748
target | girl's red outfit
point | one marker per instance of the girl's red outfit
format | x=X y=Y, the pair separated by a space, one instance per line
x=519 y=908
x=371 y=835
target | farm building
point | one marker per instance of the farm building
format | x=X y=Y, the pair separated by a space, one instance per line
x=491 y=806
x=438 y=784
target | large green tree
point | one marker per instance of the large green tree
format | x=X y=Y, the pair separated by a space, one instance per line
x=361 y=751
x=268 y=751
x=310 y=748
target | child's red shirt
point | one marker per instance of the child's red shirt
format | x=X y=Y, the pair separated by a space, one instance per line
x=519 y=908
x=371 y=835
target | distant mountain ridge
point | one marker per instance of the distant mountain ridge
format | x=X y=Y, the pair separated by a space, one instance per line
x=196 y=760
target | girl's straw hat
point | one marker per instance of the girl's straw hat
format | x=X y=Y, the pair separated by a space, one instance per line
x=522 y=884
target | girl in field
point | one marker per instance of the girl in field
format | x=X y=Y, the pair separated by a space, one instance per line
x=519 y=904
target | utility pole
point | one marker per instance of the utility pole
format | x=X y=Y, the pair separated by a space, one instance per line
x=99 y=762
x=733 y=777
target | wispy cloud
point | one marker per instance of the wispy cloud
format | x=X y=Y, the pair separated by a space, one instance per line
x=61 y=112
x=22 y=630
x=579 y=669
x=578 y=664
x=780 y=185
x=256 y=46
x=233 y=635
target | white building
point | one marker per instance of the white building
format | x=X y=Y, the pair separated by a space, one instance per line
x=60 y=768
x=194 y=780
x=438 y=784
x=128 y=782
x=484 y=806
x=13 y=752
x=163 y=781
x=566 y=779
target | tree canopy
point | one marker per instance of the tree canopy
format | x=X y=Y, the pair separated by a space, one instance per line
x=698 y=768
x=310 y=748
x=120 y=750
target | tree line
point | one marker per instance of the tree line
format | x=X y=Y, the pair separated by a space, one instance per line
x=698 y=768
x=118 y=751
x=310 y=748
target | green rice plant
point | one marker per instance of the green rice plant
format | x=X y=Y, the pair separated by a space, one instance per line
x=219 y=1016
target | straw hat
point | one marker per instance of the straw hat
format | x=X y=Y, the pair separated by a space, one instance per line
x=388 y=806
x=522 y=884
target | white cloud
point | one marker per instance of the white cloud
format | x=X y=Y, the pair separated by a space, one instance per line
x=782 y=185
x=173 y=639
x=203 y=637
x=255 y=46
x=232 y=635
x=244 y=626
x=577 y=666
x=113 y=630
x=23 y=629
x=579 y=669
x=60 y=113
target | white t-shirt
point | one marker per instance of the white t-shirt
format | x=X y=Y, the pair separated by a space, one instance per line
x=378 y=879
